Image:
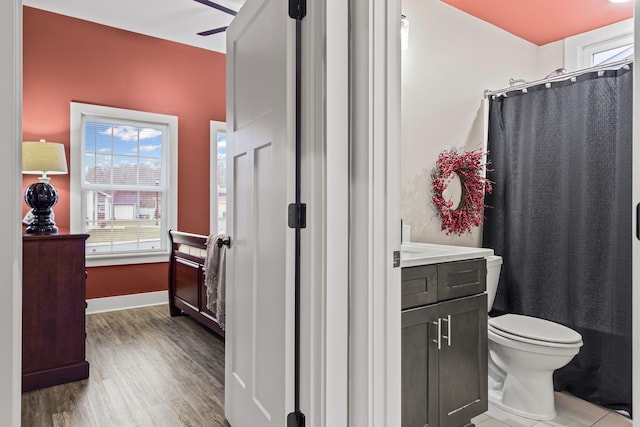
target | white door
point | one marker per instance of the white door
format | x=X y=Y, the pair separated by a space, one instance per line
x=260 y=129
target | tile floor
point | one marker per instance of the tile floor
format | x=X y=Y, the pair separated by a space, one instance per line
x=572 y=412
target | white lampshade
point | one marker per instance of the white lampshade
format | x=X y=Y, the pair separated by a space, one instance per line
x=43 y=158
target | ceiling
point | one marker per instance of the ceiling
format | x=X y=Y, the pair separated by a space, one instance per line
x=538 y=21
x=176 y=20
x=545 y=21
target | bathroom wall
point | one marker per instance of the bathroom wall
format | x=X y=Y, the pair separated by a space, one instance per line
x=550 y=58
x=451 y=59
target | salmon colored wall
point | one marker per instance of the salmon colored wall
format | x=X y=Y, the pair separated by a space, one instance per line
x=121 y=280
x=67 y=59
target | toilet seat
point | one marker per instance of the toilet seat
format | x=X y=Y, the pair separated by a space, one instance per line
x=533 y=330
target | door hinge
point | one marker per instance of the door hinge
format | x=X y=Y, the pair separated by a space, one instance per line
x=297 y=9
x=298 y=215
x=295 y=419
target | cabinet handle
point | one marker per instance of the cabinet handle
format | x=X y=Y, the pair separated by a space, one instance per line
x=438 y=340
x=448 y=336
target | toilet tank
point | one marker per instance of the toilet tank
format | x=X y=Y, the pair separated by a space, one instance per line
x=494 y=264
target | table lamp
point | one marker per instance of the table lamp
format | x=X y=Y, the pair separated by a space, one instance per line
x=42 y=158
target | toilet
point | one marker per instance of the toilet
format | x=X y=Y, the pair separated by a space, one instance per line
x=524 y=352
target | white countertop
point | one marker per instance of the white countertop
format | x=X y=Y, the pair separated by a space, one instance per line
x=413 y=253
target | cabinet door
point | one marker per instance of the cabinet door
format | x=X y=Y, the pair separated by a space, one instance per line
x=419 y=367
x=419 y=286
x=461 y=278
x=463 y=360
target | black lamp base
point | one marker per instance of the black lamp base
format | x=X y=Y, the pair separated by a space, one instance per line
x=41 y=197
x=42 y=226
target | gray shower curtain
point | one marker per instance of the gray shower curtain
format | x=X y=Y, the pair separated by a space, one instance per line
x=560 y=216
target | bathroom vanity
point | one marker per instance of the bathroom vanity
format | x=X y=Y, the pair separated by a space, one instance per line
x=444 y=334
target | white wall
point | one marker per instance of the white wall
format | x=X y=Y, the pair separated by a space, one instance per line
x=452 y=58
x=550 y=58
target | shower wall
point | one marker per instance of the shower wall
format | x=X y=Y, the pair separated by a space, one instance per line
x=452 y=58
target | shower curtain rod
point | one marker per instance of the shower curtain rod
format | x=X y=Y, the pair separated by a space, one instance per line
x=559 y=78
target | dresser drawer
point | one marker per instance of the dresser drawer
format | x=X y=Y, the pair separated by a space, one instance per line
x=427 y=284
x=461 y=278
x=419 y=285
x=187 y=276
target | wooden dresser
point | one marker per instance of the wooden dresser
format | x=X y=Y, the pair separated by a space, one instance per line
x=53 y=310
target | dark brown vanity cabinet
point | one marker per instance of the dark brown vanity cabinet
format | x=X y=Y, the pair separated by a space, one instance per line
x=444 y=344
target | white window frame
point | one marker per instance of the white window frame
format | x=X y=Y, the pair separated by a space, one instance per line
x=215 y=128
x=579 y=49
x=78 y=111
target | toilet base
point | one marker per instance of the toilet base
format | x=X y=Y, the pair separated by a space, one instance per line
x=520 y=401
x=497 y=402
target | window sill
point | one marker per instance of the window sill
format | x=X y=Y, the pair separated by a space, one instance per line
x=106 y=260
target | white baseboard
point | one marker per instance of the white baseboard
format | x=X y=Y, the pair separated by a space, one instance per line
x=123 y=302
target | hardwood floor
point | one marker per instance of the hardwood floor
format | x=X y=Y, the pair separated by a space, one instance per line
x=146 y=369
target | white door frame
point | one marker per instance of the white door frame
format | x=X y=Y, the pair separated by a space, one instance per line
x=10 y=192
x=354 y=217
x=375 y=390
x=325 y=190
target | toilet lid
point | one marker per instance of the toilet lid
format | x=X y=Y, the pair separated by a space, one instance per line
x=534 y=328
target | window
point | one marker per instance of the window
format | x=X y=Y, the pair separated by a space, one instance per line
x=123 y=183
x=600 y=46
x=607 y=55
x=218 y=178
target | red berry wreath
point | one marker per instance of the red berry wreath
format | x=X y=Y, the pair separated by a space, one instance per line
x=469 y=166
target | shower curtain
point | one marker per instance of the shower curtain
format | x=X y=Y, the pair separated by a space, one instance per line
x=560 y=216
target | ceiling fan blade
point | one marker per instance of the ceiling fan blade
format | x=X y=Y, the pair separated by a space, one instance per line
x=218 y=7
x=214 y=31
